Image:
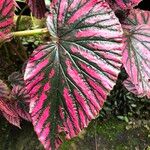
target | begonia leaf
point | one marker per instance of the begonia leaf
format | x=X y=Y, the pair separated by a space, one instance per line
x=69 y=77
x=6 y=106
x=123 y=4
x=136 y=54
x=9 y=113
x=22 y=98
x=37 y=7
x=20 y=95
x=6 y=18
x=131 y=87
x=4 y=90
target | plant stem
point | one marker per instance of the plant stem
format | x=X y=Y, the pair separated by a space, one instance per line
x=30 y=32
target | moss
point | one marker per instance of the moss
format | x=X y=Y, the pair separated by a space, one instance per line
x=111 y=135
x=68 y=144
x=110 y=129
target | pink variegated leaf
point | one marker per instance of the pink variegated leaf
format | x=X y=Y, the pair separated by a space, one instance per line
x=12 y=120
x=20 y=109
x=4 y=90
x=20 y=95
x=9 y=113
x=22 y=98
x=6 y=18
x=6 y=107
x=136 y=17
x=37 y=7
x=131 y=87
x=136 y=54
x=70 y=77
x=123 y=4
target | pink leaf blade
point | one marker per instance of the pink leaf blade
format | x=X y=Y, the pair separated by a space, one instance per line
x=37 y=7
x=6 y=18
x=9 y=113
x=22 y=98
x=127 y=4
x=136 y=56
x=131 y=87
x=65 y=95
x=4 y=90
x=23 y=114
x=20 y=95
x=136 y=17
x=123 y=4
